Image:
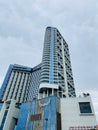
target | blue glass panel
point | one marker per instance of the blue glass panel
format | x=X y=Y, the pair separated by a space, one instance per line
x=51 y=78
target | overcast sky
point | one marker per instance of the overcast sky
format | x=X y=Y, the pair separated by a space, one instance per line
x=22 y=29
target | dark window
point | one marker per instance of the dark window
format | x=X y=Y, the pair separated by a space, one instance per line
x=85 y=107
x=59 y=121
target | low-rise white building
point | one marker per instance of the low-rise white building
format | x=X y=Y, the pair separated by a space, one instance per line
x=77 y=113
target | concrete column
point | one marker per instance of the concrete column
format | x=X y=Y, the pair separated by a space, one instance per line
x=47 y=93
x=52 y=92
x=65 y=76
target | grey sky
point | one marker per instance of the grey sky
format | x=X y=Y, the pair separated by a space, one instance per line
x=22 y=28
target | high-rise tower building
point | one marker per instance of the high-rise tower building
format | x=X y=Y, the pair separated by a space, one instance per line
x=16 y=83
x=52 y=77
x=56 y=73
x=21 y=83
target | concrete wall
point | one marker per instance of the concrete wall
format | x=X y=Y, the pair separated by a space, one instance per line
x=11 y=117
x=71 y=116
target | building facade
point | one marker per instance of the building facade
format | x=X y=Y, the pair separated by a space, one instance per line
x=42 y=114
x=56 y=66
x=45 y=95
x=52 y=77
x=78 y=113
x=49 y=113
x=34 y=82
x=9 y=115
x=21 y=83
x=16 y=83
x=53 y=113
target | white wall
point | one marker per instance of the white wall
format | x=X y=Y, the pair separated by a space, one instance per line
x=71 y=115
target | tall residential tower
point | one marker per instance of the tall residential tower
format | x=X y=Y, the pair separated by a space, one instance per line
x=56 y=73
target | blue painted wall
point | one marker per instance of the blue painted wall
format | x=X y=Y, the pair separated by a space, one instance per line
x=47 y=107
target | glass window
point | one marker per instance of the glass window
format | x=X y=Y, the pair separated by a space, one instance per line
x=85 y=107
